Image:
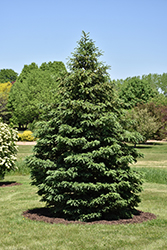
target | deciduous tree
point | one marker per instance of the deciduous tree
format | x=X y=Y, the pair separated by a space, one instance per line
x=135 y=91
x=157 y=81
x=143 y=122
x=33 y=88
x=8 y=75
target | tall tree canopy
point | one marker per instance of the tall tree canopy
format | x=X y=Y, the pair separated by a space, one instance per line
x=54 y=68
x=135 y=91
x=27 y=69
x=34 y=86
x=81 y=161
x=157 y=81
x=8 y=75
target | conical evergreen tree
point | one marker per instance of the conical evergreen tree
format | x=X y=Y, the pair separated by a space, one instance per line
x=81 y=161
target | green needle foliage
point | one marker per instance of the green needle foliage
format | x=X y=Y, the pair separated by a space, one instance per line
x=81 y=161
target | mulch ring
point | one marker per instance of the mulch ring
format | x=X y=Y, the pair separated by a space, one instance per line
x=43 y=214
x=9 y=183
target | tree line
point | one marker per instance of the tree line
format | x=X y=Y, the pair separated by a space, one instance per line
x=34 y=88
x=25 y=97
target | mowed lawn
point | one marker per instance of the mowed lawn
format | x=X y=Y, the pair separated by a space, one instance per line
x=16 y=232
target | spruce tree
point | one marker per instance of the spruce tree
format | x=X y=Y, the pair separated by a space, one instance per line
x=81 y=161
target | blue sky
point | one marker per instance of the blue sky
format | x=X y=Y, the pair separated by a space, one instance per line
x=131 y=33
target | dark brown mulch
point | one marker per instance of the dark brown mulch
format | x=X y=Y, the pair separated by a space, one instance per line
x=9 y=183
x=43 y=214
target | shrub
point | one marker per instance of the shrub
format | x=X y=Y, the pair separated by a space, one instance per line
x=5 y=87
x=8 y=149
x=26 y=136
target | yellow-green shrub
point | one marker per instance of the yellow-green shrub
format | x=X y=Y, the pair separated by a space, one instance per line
x=5 y=87
x=26 y=136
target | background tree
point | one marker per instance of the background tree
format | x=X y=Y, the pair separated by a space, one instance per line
x=157 y=81
x=14 y=96
x=142 y=121
x=163 y=83
x=27 y=69
x=159 y=100
x=158 y=112
x=81 y=161
x=8 y=75
x=33 y=88
x=4 y=93
x=54 y=68
x=147 y=95
x=135 y=90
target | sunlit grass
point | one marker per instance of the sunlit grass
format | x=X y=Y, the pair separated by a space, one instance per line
x=17 y=232
x=23 y=151
x=155 y=175
x=154 y=153
x=154 y=164
x=22 y=169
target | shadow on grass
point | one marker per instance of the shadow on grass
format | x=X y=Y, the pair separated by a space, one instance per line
x=149 y=145
x=142 y=146
x=9 y=183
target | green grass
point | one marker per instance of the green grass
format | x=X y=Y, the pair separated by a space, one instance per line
x=20 y=233
x=23 y=151
x=154 y=155
x=155 y=175
x=154 y=164
x=16 y=232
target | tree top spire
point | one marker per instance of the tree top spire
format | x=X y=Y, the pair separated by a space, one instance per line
x=85 y=55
